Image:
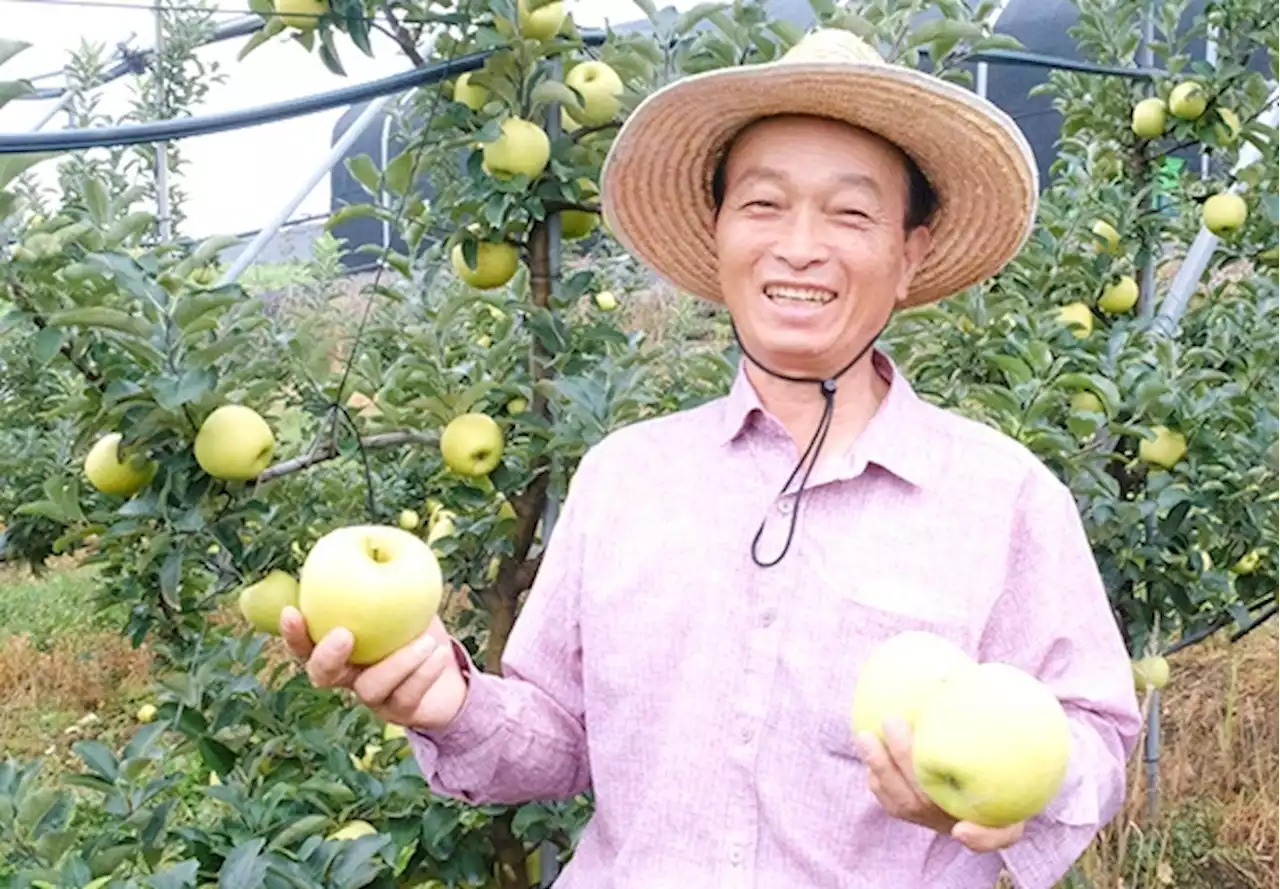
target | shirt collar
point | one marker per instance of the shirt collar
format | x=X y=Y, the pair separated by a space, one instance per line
x=892 y=439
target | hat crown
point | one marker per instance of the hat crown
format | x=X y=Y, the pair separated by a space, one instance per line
x=833 y=45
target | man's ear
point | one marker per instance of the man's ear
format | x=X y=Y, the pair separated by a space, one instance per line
x=919 y=243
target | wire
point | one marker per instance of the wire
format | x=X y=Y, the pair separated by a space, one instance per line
x=214 y=10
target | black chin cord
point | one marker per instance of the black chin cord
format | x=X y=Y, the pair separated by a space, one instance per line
x=828 y=388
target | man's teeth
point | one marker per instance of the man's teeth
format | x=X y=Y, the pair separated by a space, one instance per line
x=802 y=294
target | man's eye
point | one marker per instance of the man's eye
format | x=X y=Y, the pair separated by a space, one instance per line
x=761 y=202
x=849 y=211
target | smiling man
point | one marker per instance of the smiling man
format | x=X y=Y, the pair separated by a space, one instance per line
x=690 y=647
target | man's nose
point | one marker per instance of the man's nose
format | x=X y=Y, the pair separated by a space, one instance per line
x=800 y=244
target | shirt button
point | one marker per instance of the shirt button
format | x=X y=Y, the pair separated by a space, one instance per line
x=735 y=855
x=784 y=507
x=766 y=619
x=746 y=735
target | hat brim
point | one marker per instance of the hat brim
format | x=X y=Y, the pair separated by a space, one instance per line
x=656 y=181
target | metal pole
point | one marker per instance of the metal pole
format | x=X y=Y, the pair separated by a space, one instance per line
x=162 y=153
x=336 y=153
x=1153 y=757
x=1198 y=255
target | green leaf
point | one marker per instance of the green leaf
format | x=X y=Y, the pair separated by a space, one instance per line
x=354 y=866
x=244 y=868
x=182 y=875
x=304 y=827
x=10 y=48
x=351 y=211
x=1015 y=368
x=554 y=91
x=365 y=172
x=14 y=165
x=33 y=807
x=172 y=393
x=96 y=199
x=100 y=317
x=171 y=573
x=216 y=755
x=47 y=344
x=400 y=171
x=99 y=758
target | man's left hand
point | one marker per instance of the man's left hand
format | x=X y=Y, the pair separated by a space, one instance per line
x=893 y=782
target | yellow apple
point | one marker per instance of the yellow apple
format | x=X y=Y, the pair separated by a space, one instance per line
x=111 y=475
x=381 y=583
x=234 y=443
x=214 y=780
x=391 y=731
x=1249 y=562
x=496 y=264
x=352 y=830
x=1228 y=127
x=262 y=602
x=472 y=444
x=567 y=123
x=600 y=88
x=1078 y=317
x=484 y=341
x=1224 y=212
x=517 y=406
x=1150 y=672
x=1087 y=401
x=506 y=511
x=301 y=14
x=441 y=526
x=1119 y=296
x=1109 y=235
x=408 y=519
x=542 y=23
x=146 y=713
x=1148 y=118
x=606 y=300
x=1165 y=450
x=1188 y=100
x=472 y=95
x=522 y=149
x=900 y=676
x=992 y=746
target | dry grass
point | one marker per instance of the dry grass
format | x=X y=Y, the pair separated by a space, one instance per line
x=1219 y=773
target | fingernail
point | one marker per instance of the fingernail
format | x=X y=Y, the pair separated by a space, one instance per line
x=424 y=646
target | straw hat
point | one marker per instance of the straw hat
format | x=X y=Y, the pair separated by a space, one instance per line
x=656 y=182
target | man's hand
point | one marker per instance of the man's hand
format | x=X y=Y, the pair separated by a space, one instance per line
x=417 y=686
x=893 y=782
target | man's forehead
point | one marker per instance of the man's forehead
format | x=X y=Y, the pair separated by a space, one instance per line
x=762 y=171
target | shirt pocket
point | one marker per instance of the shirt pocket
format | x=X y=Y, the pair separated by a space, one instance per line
x=856 y=627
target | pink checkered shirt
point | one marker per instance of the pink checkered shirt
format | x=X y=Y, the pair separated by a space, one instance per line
x=705 y=700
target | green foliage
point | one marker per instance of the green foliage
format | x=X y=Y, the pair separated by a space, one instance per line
x=102 y=330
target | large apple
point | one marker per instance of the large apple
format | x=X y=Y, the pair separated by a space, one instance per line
x=579 y=223
x=1224 y=212
x=496 y=264
x=234 y=443
x=1148 y=118
x=472 y=444
x=1119 y=296
x=992 y=746
x=1165 y=450
x=1078 y=317
x=262 y=602
x=900 y=675
x=1087 y=401
x=1188 y=101
x=542 y=23
x=110 y=474
x=523 y=148
x=301 y=14
x=600 y=88
x=472 y=95
x=381 y=583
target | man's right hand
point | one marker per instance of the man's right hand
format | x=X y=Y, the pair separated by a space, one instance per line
x=417 y=686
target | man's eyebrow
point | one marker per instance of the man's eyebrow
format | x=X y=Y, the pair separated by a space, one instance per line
x=853 y=180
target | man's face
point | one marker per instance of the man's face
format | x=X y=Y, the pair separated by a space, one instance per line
x=812 y=247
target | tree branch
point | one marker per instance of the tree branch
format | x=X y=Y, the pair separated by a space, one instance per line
x=580 y=132
x=402 y=37
x=329 y=451
x=24 y=302
x=557 y=206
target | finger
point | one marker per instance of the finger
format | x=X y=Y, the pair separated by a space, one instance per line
x=987 y=839
x=293 y=629
x=894 y=793
x=327 y=666
x=377 y=682
x=897 y=743
x=409 y=695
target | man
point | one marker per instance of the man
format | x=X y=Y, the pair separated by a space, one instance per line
x=691 y=645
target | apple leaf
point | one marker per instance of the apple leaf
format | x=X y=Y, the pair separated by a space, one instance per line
x=365 y=172
x=100 y=317
x=99 y=758
x=554 y=91
x=182 y=875
x=244 y=868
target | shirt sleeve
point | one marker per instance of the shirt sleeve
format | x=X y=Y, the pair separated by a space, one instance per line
x=520 y=736
x=1054 y=620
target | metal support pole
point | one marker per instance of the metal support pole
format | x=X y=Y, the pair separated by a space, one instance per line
x=1152 y=757
x=162 y=148
x=371 y=113
x=1201 y=251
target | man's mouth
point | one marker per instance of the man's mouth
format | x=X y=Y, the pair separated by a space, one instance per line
x=792 y=293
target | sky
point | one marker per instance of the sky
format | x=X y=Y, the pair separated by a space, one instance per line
x=235 y=181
